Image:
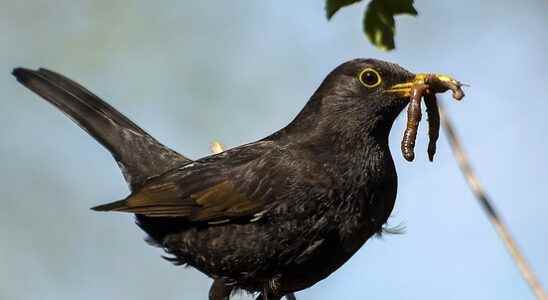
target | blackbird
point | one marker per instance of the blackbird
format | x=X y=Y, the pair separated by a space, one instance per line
x=271 y=217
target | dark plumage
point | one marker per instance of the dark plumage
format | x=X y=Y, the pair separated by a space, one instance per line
x=274 y=216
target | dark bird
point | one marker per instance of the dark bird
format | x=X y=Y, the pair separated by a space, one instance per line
x=270 y=217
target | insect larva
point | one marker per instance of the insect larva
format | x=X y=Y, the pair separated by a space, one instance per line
x=428 y=88
x=414 y=116
x=433 y=113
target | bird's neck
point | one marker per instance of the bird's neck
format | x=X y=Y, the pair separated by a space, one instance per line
x=352 y=138
x=358 y=149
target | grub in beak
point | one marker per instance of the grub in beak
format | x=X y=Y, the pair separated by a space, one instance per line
x=424 y=85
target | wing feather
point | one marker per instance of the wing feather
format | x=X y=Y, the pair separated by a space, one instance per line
x=214 y=192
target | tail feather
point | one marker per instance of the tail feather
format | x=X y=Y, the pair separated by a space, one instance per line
x=138 y=154
x=114 y=206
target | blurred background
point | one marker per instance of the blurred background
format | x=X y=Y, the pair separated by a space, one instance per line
x=235 y=71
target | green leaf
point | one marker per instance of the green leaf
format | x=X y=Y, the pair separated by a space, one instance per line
x=332 y=6
x=379 y=24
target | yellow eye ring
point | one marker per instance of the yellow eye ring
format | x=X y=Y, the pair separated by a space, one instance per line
x=370 y=78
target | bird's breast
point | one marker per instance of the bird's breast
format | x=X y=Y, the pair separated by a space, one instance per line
x=364 y=207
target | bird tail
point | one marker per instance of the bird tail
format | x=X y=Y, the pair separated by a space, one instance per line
x=138 y=154
x=113 y=206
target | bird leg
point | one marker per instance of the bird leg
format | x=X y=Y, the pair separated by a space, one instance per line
x=269 y=293
x=267 y=296
x=219 y=290
x=290 y=296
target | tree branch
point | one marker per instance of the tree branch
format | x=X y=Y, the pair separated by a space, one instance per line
x=489 y=209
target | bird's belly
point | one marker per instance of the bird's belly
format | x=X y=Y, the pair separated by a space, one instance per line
x=292 y=254
x=322 y=263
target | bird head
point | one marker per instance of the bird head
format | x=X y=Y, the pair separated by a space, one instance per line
x=363 y=97
x=373 y=87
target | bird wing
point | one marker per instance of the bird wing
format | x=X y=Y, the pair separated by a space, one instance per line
x=219 y=189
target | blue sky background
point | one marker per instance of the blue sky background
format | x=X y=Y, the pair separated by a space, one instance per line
x=235 y=71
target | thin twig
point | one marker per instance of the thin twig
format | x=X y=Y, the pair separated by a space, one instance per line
x=490 y=210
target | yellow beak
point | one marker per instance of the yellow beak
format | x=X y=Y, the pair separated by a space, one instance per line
x=405 y=89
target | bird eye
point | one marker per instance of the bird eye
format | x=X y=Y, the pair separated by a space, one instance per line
x=370 y=78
